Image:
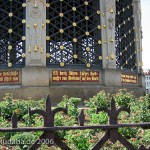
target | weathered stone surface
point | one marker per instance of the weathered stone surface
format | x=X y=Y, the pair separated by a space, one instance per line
x=111 y=77
x=56 y=92
x=35 y=76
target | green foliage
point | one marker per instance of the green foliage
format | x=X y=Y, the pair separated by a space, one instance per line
x=145 y=106
x=24 y=140
x=100 y=118
x=20 y=107
x=128 y=133
x=72 y=104
x=101 y=100
x=147 y=100
x=146 y=137
x=123 y=97
x=62 y=119
x=78 y=139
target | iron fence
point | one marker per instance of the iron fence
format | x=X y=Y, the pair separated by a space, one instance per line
x=49 y=130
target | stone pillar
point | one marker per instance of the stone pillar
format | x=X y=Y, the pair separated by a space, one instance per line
x=108 y=33
x=111 y=76
x=138 y=33
x=138 y=41
x=35 y=72
x=35 y=33
x=103 y=34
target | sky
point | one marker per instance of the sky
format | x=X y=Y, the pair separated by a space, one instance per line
x=145 y=6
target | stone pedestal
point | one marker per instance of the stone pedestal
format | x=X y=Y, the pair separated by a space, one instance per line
x=35 y=76
x=111 y=77
x=142 y=81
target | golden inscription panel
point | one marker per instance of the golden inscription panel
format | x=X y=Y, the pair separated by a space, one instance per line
x=129 y=78
x=9 y=76
x=75 y=76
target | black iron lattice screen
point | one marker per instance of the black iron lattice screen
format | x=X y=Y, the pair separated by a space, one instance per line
x=73 y=33
x=125 y=35
x=12 y=31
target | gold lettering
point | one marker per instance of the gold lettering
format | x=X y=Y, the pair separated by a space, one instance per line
x=88 y=78
x=75 y=76
x=1 y=79
x=70 y=78
x=93 y=73
x=6 y=79
x=83 y=73
x=63 y=73
x=13 y=73
x=131 y=77
x=73 y=73
x=55 y=73
x=95 y=78
x=83 y=78
x=57 y=78
x=15 y=79
x=64 y=78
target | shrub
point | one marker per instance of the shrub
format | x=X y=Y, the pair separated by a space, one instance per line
x=24 y=140
x=72 y=104
x=78 y=139
x=101 y=100
x=123 y=97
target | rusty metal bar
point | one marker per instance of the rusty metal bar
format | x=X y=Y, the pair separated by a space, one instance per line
x=115 y=126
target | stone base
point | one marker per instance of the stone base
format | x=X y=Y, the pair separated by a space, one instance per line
x=56 y=92
x=35 y=76
x=37 y=82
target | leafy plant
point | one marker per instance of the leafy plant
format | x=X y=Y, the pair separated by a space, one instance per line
x=23 y=140
x=123 y=97
x=81 y=140
x=78 y=139
x=101 y=100
x=72 y=104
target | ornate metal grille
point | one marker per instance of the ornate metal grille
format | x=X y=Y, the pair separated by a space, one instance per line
x=12 y=31
x=73 y=33
x=125 y=35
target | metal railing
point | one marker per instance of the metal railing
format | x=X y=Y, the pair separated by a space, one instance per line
x=49 y=130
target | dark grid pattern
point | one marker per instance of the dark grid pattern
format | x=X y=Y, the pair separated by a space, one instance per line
x=11 y=32
x=125 y=36
x=74 y=32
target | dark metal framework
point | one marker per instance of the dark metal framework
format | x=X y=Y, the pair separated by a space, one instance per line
x=49 y=130
x=73 y=33
x=12 y=31
x=125 y=36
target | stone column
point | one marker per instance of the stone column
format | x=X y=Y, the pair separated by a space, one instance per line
x=103 y=34
x=138 y=41
x=138 y=33
x=108 y=33
x=35 y=33
x=35 y=73
x=111 y=76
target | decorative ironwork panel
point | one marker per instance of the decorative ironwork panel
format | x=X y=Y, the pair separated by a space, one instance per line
x=125 y=35
x=12 y=31
x=73 y=33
